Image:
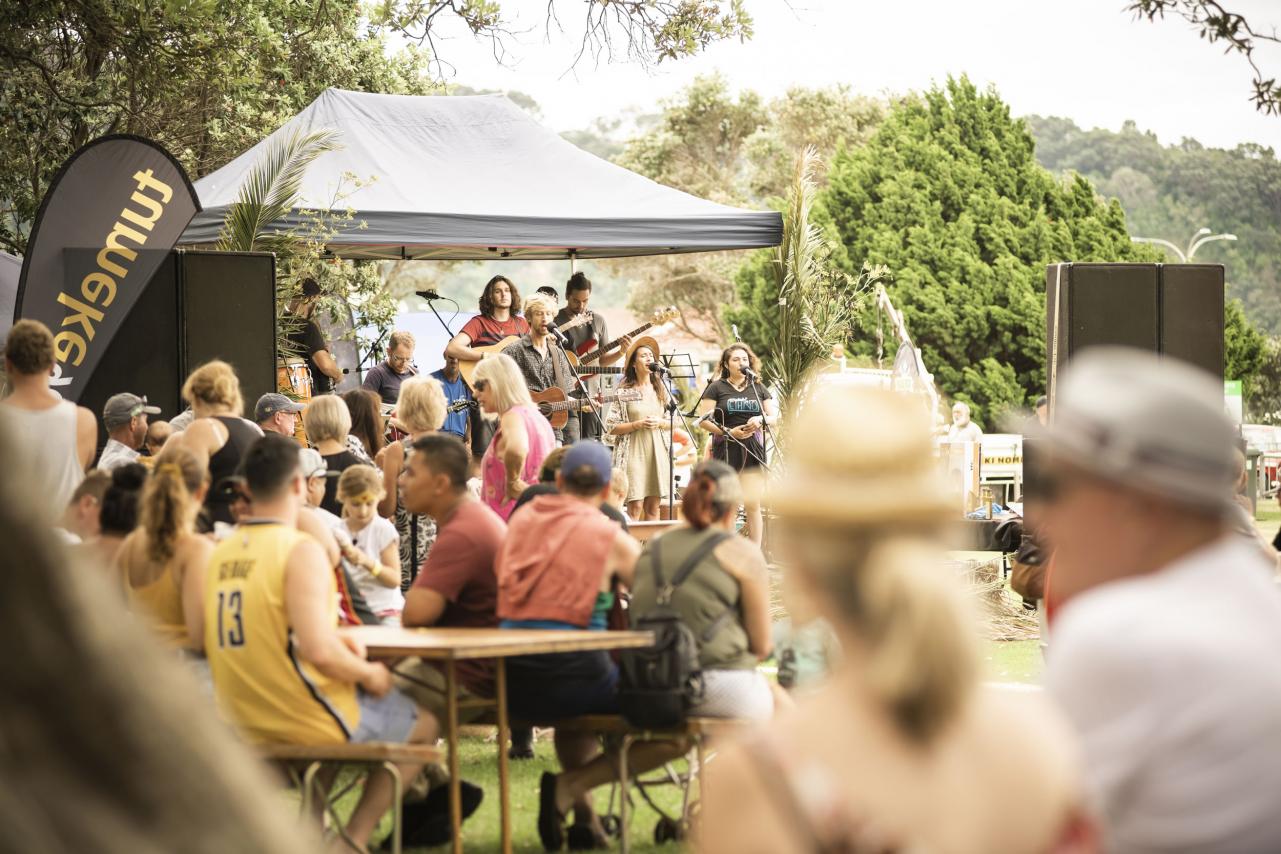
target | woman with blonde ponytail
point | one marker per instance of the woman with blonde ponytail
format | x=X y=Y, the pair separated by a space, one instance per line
x=162 y=563
x=904 y=749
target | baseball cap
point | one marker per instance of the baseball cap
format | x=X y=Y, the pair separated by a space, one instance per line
x=120 y=408
x=1147 y=423
x=271 y=403
x=313 y=464
x=592 y=454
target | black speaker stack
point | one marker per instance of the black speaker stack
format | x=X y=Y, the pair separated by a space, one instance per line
x=1172 y=309
x=199 y=306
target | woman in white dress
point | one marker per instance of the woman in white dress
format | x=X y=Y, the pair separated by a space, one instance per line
x=639 y=428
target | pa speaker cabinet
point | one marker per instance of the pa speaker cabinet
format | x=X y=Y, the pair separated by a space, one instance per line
x=1172 y=309
x=197 y=307
x=143 y=357
x=1089 y=305
x=229 y=313
x=1192 y=315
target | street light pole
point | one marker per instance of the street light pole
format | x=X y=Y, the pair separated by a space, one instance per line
x=1202 y=237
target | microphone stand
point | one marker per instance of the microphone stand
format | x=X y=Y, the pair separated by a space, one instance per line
x=672 y=411
x=760 y=404
x=431 y=303
x=558 y=338
x=746 y=448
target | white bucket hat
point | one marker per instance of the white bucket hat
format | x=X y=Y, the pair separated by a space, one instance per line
x=1153 y=424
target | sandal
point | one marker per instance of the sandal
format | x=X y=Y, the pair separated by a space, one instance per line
x=550 y=822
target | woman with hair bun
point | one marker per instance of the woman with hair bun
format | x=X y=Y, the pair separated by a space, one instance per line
x=903 y=749
x=119 y=513
x=219 y=432
x=162 y=563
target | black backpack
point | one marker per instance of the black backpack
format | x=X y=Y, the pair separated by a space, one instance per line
x=658 y=685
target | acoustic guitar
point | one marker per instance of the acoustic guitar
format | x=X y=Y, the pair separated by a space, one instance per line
x=555 y=404
x=589 y=352
x=467 y=369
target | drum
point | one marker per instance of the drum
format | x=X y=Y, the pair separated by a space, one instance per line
x=293 y=380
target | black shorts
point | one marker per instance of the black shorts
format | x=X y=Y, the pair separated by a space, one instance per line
x=737 y=456
x=546 y=688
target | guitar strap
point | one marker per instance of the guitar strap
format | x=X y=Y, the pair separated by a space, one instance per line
x=557 y=356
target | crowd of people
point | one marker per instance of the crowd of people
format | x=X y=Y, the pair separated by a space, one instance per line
x=246 y=545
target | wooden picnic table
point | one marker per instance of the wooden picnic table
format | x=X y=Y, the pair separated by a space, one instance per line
x=450 y=646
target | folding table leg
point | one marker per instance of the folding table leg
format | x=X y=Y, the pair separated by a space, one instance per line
x=455 y=784
x=624 y=844
x=397 y=807
x=504 y=734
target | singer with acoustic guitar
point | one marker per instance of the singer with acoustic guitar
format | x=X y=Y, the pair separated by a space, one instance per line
x=542 y=359
x=734 y=409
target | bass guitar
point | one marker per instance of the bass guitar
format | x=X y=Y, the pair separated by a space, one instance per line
x=469 y=368
x=556 y=405
x=588 y=351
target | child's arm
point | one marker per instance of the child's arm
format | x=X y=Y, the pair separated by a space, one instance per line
x=386 y=575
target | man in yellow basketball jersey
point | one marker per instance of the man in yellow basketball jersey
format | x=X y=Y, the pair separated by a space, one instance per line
x=282 y=672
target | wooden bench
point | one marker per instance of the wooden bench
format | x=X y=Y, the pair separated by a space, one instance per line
x=696 y=729
x=312 y=758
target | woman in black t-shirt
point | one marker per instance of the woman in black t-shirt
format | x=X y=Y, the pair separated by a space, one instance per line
x=327 y=422
x=735 y=410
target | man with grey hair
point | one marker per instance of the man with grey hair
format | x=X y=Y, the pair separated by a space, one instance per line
x=1165 y=634
x=384 y=378
x=125 y=417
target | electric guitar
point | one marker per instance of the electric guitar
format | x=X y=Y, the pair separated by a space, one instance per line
x=589 y=352
x=555 y=404
x=469 y=368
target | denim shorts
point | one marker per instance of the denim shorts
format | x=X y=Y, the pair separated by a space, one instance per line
x=390 y=717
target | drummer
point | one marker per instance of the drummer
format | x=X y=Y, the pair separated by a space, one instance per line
x=310 y=341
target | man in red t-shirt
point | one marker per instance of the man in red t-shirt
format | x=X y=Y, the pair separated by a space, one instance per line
x=456 y=588
x=499 y=318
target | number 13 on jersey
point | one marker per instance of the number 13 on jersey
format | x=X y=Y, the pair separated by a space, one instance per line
x=231 y=631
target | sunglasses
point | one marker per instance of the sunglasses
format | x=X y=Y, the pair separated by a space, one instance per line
x=479 y=385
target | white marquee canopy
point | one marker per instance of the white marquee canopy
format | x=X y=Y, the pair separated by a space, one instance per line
x=474 y=177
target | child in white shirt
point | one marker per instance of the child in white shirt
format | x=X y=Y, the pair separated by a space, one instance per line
x=376 y=553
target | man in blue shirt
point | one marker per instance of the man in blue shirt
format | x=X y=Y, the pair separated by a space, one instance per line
x=451 y=380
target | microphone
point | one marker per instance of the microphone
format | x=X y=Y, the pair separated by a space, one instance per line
x=429 y=294
x=555 y=332
x=659 y=369
x=750 y=374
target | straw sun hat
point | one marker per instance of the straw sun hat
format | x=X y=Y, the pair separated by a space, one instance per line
x=859 y=456
x=643 y=341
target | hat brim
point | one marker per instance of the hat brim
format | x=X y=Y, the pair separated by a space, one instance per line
x=835 y=500
x=643 y=341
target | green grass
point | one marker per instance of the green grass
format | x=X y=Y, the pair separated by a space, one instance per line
x=1013 y=661
x=478 y=757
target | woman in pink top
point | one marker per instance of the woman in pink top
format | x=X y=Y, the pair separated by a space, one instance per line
x=523 y=439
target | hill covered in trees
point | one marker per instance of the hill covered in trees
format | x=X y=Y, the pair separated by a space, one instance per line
x=1170 y=191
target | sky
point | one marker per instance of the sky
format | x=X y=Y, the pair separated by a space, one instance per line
x=1087 y=60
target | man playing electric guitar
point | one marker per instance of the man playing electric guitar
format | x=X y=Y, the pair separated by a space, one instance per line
x=578 y=292
x=542 y=361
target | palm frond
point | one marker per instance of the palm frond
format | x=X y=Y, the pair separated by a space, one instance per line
x=817 y=304
x=270 y=192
